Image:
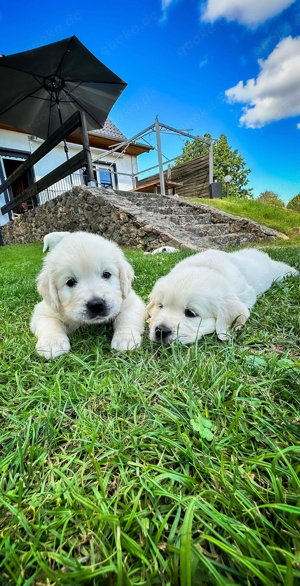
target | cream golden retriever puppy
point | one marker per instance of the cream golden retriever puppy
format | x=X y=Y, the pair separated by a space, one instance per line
x=211 y=291
x=85 y=280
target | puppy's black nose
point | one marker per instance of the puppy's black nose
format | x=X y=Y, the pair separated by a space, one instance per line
x=97 y=308
x=162 y=333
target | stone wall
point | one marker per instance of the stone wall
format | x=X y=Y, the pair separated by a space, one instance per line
x=136 y=220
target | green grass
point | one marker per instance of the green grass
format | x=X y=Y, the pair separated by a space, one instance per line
x=279 y=219
x=104 y=480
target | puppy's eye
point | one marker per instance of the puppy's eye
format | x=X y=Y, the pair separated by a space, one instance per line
x=160 y=305
x=189 y=313
x=71 y=283
x=106 y=275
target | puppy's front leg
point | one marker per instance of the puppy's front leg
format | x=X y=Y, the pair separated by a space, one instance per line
x=129 y=324
x=207 y=326
x=50 y=331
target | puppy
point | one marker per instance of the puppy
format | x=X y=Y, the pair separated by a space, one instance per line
x=210 y=291
x=167 y=249
x=85 y=280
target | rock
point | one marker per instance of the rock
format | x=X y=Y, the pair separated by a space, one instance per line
x=140 y=220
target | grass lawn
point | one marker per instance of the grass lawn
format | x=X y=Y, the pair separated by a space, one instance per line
x=279 y=219
x=104 y=478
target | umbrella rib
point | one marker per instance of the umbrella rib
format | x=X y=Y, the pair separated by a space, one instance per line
x=97 y=81
x=38 y=98
x=91 y=115
x=19 y=102
x=60 y=64
x=36 y=79
x=73 y=90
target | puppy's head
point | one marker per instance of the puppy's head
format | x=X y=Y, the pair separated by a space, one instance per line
x=85 y=278
x=190 y=303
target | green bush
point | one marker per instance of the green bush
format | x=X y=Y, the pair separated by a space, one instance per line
x=271 y=198
x=294 y=204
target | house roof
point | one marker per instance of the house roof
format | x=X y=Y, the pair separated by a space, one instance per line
x=110 y=135
x=102 y=138
x=110 y=130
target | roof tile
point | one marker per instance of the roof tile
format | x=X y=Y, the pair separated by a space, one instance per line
x=109 y=129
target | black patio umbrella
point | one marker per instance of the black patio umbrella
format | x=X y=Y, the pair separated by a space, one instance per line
x=41 y=88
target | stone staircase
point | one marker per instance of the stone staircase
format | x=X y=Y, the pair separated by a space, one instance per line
x=197 y=225
x=138 y=220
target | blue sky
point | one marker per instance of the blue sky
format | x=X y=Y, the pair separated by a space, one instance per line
x=179 y=57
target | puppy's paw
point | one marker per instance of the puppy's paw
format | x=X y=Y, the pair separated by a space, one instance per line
x=53 y=347
x=224 y=337
x=126 y=342
x=228 y=335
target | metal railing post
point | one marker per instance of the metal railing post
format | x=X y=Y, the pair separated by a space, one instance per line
x=159 y=154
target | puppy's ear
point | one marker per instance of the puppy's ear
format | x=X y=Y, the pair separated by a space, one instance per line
x=51 y=240
x=47 y=289
x=149 y=306
x=231 y=315
x=126 y=274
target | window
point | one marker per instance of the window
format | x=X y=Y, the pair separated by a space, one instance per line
x=104 y=177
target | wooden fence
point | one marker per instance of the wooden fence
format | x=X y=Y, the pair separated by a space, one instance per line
x=194 y=175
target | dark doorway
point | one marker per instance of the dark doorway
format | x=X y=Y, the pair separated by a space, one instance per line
x=10 y=165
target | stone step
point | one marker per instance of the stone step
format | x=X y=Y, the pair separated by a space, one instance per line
x=221 y=241
x=166 y=209
x=208 y=229
x=183 y=219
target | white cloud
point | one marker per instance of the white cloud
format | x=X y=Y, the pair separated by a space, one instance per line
x=275 y=93
x=298 y=126
x=202 y=63
x=165 y=5
x=252 y=13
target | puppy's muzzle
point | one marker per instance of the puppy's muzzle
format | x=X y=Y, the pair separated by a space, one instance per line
x=96 y=308
x=162 y=334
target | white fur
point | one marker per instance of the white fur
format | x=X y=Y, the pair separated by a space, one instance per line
x=218 y=287
x=167 y=249
x=85 y=257
x=52 y=239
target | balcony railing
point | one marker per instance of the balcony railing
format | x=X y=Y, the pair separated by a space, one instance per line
x=61 y=187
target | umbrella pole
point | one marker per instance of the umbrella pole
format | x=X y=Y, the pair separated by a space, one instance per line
x=66 y=149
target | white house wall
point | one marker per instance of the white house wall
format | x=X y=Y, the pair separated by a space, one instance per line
x=22 y=142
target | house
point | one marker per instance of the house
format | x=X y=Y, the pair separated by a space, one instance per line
x=111 y=169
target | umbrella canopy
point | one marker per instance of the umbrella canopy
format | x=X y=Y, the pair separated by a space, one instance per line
x=43 y=87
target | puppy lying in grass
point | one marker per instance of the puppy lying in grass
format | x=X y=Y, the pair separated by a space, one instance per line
x=210 y=292
x=85 y=280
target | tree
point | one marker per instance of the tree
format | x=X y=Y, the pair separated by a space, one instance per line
x=226 y=162
x=271 y=198
x=294 y=204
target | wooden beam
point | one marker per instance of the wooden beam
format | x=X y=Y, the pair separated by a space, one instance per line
x=67 y=168
x=69 y=126
x=99 y=141
x=86 y=147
